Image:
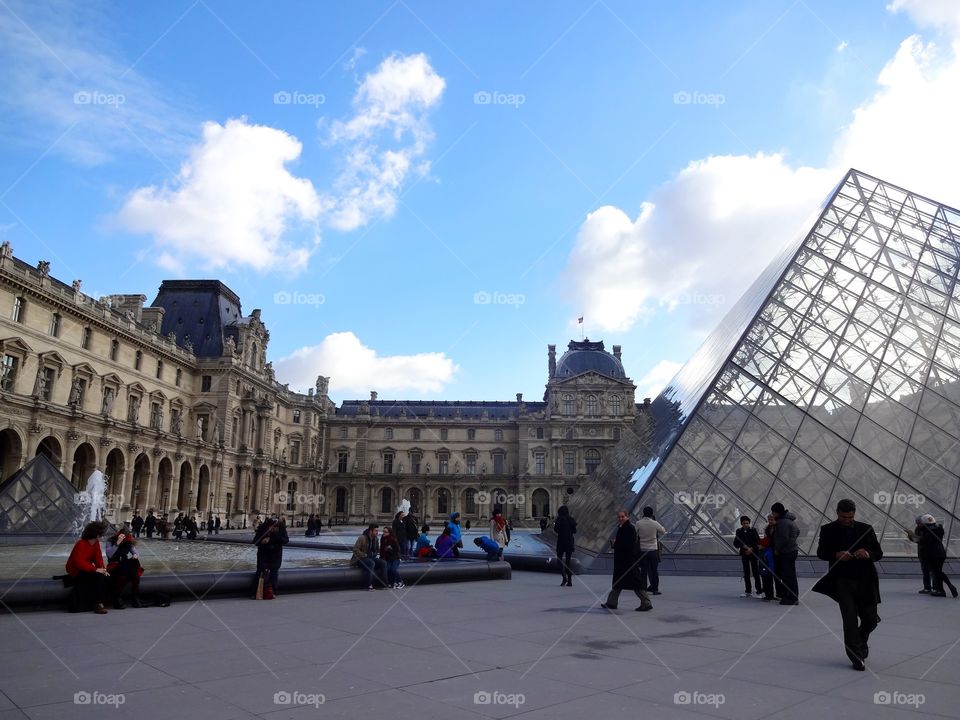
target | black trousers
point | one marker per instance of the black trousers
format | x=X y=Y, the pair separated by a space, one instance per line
x=937 y=577
x=859 y=618
x=89 y=589
x=649 y=574
x=786 y=569
x=925 y=570
x=750 y=564
x=564 y=558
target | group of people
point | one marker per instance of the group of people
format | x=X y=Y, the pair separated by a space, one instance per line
x=771 y=559
x=95 y=582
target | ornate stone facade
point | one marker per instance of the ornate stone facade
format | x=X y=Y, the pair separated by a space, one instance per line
x=177 y=404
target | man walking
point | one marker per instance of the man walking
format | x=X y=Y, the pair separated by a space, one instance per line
x=785 y=551
x=851 y=548
x=649 y=532
x=747 y=541
x=625 y=575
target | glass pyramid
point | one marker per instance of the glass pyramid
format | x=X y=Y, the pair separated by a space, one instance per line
x=38 y=499
x=837 y=374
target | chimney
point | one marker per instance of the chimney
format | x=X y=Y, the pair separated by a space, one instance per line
x=373 y=396
x=129 y=303
x=616 y=351
x=519 y=397
x=552 y=359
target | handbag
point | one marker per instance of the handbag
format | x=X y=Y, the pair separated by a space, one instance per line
x=263 y=576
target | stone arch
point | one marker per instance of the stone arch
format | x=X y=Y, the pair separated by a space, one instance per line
x=470 y=505
x=540 y=503
x=11 y=453
x=115 y=472
x=443 y=499
x=203 y=489
x=84 y=463
x=415 y=496
x=51 y=447
x=341 y=501
x=164 y=485
x=141 y=470
x=185 y=493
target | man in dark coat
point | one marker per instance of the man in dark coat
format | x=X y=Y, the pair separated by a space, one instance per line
x=851 y=548
x=625 y=574
x=270 y=537
x=150 y=524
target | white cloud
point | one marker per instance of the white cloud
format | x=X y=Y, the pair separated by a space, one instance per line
x=231 y=202
x=842 y=46
x=710 y=230
x=650 y=385
x=67 y=88
x=356 y=368
x=944 y=14
x=385 y=139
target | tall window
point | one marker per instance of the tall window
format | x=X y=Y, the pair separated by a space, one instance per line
x=114 y=349
x=616 y=433
x=443 y=502
x=155 y=417
x=206 y=382
x=386 y=501
x=540 y=463
x=416 y=433
x=55 y=324
x=388 y=463
x=85 y=338
x=341 y=500
x=471 y=463
x=498 y=435
x=471 y=501
x=235 y=431
x=159 y=369
x=471 y=434
x=415 y=460
x=498 y=464
x=569 y=462
x=539 y=433
x=344 y=432
x=343 y=458
x=291 y=496
x=19 y=310
x=591 y=404
x=388 y=433
x=296 y=416
x=295 y=452
x=615 y=404
x=138 y=360
x=443 y=433
x=567 y=404
x=178 y=378
x=8 y=373
x=592 y=459
x=443 y=459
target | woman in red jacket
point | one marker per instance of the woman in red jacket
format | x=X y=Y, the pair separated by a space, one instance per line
x=85 y=566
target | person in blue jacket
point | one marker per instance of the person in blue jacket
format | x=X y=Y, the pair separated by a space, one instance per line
x=456 y=532
x=490 y=546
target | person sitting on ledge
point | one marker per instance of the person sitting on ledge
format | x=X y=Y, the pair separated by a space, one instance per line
x=85 y=566
x=445 y=545
x=123 y=564
x=425 y=550
x=489 y=546
x=365 y=551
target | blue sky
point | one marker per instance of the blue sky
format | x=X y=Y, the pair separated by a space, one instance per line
x=368 y=174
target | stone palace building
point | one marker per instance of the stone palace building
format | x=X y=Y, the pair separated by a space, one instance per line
x=177 y=404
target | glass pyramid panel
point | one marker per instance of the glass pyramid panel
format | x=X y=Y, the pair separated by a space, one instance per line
x=38 y=499
x=837 y=374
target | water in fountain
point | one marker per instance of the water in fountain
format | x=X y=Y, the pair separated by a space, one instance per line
x=92 y=503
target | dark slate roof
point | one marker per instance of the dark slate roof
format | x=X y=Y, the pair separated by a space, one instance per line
x=199 y=309
x=585 y=356
x=496 y=410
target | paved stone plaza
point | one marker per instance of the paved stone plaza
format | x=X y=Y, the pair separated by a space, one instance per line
x=535 y=649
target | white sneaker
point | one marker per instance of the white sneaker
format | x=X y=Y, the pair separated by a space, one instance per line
x=400 y=586
x=759 y=596
x=746 y=594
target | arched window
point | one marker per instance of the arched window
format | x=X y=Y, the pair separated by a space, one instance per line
x=567 y=404
x=443 y=502
x=291 y=496
x=615 y=405
x=592 y=459
x=138 y=360
x=591 y=404
x=386 y=501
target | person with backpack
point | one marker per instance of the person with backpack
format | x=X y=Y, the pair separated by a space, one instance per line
x=410 y=523
x=747 y=541
x=398 y=528
x=390 y=554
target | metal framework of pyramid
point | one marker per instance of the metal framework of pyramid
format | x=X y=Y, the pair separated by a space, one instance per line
x=39 y=499
x=837 y=375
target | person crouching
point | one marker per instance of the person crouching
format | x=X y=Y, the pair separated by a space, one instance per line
x=490 y=547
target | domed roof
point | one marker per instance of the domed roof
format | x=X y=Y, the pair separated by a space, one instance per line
x=586 y=356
